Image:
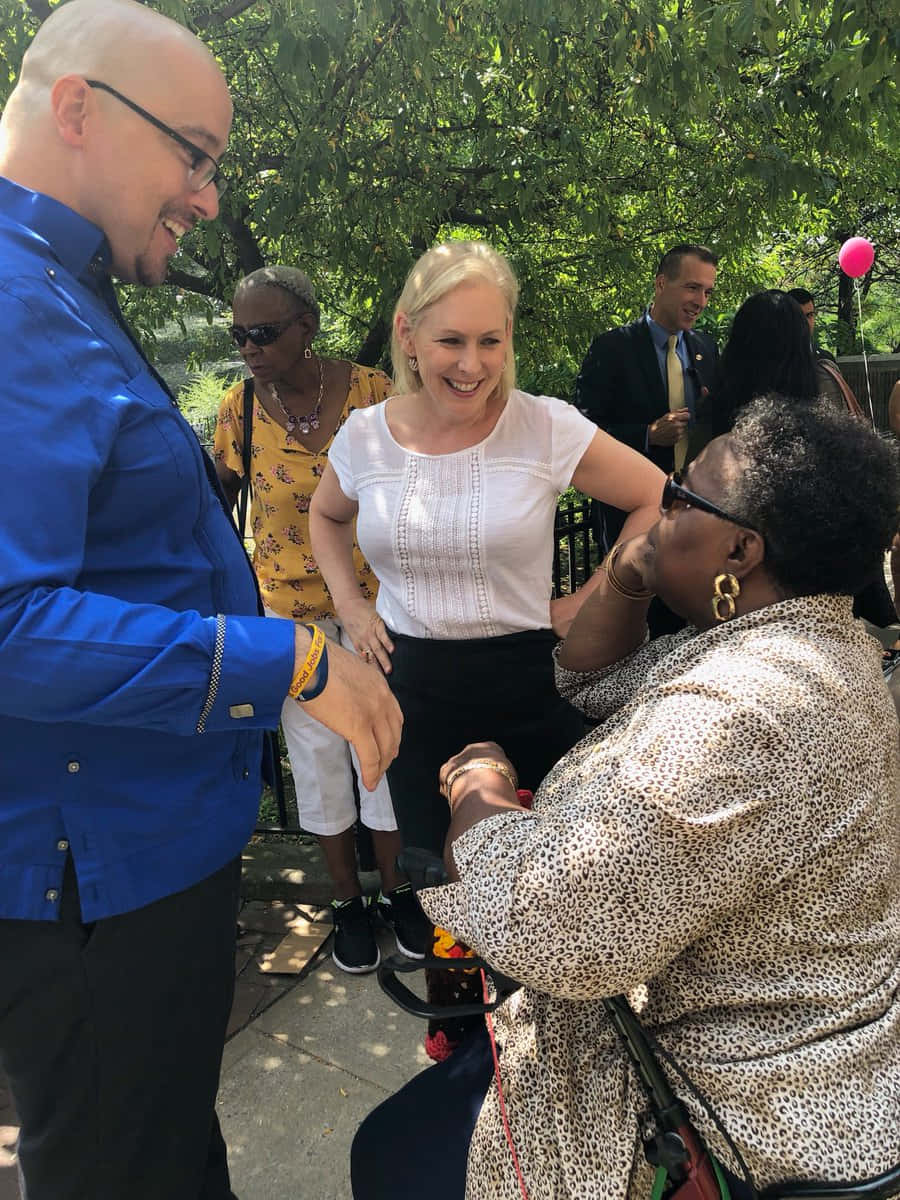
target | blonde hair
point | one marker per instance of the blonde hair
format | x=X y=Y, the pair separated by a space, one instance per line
x=437 y=272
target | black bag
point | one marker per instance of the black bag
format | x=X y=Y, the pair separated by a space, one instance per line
x=246 y=489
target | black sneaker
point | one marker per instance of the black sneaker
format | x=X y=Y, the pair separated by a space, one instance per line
x=354 y=949
x=401 y=910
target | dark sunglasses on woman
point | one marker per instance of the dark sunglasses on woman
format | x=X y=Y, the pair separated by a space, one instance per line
x=261 y=335
x=674 y=492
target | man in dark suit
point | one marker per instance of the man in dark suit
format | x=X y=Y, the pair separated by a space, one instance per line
x=644 y=383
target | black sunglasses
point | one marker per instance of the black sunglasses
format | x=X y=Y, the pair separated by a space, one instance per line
x=203 y=170
x=673 y=492
x=262 y=335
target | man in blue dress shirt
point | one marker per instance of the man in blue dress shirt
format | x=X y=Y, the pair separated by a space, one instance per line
x=136 y=675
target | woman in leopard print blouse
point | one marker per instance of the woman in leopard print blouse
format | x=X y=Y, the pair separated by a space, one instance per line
x=724 y=847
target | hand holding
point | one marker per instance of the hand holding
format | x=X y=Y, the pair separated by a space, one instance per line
x=669 y=428
x=489 y=753
x=356 y=703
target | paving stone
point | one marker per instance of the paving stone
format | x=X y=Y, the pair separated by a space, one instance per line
x=347 y=1020
x=248 y=997
x=291 y=871
x=289 y=1120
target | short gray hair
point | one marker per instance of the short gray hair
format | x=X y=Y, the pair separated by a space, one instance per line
x=290 y=279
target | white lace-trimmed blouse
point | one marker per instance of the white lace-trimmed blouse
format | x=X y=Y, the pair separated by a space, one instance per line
x=462 y=543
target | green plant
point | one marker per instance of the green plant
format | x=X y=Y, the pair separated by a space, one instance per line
x=199 y=400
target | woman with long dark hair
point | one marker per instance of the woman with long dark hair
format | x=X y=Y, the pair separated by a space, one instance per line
x=768 y=350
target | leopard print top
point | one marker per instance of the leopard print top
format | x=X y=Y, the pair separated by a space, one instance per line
x=725 y=848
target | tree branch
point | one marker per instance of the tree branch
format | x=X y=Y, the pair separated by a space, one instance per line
x=203 y=285
x=233 y=9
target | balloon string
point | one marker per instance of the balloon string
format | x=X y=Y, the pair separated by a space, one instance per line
x=862 y=342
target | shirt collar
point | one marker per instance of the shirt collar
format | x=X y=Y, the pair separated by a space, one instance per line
x=76 y=243
x=661 y=336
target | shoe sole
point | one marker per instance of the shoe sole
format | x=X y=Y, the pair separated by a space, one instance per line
x=405 y=949
x=366 y=970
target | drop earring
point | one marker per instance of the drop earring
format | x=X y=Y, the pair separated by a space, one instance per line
x=726 y=591
x=413 y=364
x=307 y=353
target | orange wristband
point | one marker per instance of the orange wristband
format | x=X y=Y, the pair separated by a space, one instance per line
x=310 y=663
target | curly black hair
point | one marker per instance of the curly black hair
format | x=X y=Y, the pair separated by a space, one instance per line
x=823 y=490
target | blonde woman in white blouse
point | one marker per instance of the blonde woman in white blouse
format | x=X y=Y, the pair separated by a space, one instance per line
x=453 y=484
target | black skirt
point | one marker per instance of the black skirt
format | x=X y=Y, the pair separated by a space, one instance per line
x=497 y=689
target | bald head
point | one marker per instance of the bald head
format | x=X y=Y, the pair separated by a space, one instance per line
x=119 y=41
x=95 y=151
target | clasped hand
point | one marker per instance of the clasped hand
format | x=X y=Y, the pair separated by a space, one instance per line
x=669 y=428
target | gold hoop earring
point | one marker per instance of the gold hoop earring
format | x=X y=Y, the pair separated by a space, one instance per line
x=413 y=364
x=307 y=353
x=727 y=589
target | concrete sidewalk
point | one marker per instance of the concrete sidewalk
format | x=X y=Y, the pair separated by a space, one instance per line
x=308 y=1056
x=299 y=1079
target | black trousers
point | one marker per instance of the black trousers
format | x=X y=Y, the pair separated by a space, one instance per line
x=497 y=689
x=111 y=1035
x=416 y=1142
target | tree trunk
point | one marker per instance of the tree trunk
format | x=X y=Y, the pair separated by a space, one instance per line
x=371 y=352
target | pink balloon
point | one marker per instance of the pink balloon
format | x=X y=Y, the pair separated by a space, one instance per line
x=856 y=256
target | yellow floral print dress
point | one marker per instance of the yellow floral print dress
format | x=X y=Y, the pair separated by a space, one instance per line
x=284 y=477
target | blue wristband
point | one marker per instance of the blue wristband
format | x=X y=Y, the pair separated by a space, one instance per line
x=317 y=683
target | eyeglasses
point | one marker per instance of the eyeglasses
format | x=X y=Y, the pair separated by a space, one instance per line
x=673 y=492
x=204 y=170
x=262 y=335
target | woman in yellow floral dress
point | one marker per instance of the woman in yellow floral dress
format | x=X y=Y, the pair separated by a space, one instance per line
x=300 y=401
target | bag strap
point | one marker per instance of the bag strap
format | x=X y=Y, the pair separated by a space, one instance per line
x=850 y=399
x=245 y=492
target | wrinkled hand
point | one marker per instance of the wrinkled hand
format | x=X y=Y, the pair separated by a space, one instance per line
x=357 y=703
x=669 y=428
x=563 y=611
x=368 y=633
x=474 y=750
x=632 y=563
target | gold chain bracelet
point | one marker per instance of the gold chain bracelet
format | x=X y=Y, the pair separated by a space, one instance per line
x=474 y=764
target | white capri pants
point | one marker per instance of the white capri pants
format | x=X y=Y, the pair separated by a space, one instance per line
x=320 y=764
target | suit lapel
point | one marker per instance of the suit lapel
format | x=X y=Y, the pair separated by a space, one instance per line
x=657 y=402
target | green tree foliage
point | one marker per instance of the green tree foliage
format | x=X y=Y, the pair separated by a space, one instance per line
x=579 y=137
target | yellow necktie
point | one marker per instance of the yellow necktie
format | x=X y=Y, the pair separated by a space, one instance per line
x=675 y=378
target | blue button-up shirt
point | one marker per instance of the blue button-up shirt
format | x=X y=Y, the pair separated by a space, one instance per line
x=135 y=677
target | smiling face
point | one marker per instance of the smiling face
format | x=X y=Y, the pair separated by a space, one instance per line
x=678 y=302
x=461 y=343
x=137 y=177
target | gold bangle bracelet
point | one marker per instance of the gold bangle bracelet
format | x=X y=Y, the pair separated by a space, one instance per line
x=476 y=764
x=310 y=663
x=615 y=582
